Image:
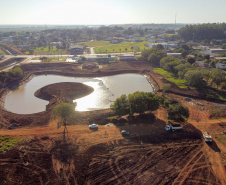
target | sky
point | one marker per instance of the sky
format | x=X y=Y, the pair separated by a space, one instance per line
x=105 y=12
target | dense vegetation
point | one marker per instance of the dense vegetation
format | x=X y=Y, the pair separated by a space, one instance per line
x=138 y=102
x=15 y=73
x=203 y=31
x=178 y=113
x=154 y=55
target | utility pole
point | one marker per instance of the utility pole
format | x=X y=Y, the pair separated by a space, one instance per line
x=176 y=18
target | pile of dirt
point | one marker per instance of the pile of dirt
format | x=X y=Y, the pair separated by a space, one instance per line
x=64 y=92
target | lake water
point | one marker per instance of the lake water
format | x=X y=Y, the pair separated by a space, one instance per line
x=106 y=90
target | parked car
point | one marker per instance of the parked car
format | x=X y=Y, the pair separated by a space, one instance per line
x=124 y=132
x=167 y=127
x=173 y=127
x=13 y=126
x=93 y=126
x=207 y=137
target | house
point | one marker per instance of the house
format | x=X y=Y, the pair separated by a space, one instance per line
x=1 y=56
x=137 y=40
x=116 y=40
x=218 y=50
x=175 y=55
x=202 y=64
x=153 y=45
x=76 y=49
x=7 y=39
x=55 y=44
x=221 y=66
x=221 y=58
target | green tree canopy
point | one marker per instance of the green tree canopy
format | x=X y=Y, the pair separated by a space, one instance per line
x=178 y=113
x=194 y=78
x=191 y=60
x=155 y=57
x=121 y=106
x=64 y=111
x=138 y=102
x=16 y=72
x=203 y=31
x=217 y=76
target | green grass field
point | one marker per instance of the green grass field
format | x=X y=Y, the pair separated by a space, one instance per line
x=45 y=50
x=107 y=47
x=121 y=47
x=7 y=142
x=170 y=77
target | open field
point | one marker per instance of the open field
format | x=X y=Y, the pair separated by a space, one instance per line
x=107 y=47
x=122 y=47
x=48 y=51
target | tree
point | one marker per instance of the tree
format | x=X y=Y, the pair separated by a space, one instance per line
x=165 y=87
x=184 y=54
x=159 y=46
x=182 y=69
x=223 y=86
x=178 y=113
x=224 y=46
x=207 y=57
x=191 y=60
x=185 y=47
x=172 y=65
x=217 y=76
x=121 y=106
x=16 y=72
x=4 y=76
x=146 y=53
x=203 y=31
x=212 y=64
x=138 y=102
x=194 y=78
x=64 y=111
x=166 y=60
x=155 y=57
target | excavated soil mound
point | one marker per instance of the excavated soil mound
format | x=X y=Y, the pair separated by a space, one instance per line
x=64 y=92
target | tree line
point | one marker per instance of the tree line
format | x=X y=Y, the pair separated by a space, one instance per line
x=203 y=31
x=195 y=76
x=140 y=102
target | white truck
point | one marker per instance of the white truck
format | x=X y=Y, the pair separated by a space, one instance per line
x=207 y=137
x=173 y=127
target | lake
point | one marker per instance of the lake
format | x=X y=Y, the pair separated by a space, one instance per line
x=106 y=90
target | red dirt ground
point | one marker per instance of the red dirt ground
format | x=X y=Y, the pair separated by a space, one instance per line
x=150 y=155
